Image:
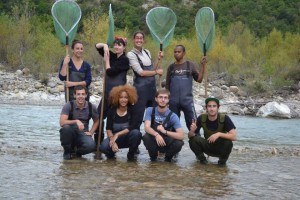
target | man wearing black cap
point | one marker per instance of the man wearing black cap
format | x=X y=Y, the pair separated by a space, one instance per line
x=219 y=132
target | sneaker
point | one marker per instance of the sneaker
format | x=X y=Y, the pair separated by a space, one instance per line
x=67 y=156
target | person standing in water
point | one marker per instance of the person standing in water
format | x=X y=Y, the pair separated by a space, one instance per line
x=79 y=70
x=144 y=74
x=179 y=81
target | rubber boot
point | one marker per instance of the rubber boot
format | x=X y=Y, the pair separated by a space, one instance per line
x=67 y=152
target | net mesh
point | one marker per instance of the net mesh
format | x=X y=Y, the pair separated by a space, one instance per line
x=205 y=28
x=111 y=28
x=66 y=15
x=161 y=22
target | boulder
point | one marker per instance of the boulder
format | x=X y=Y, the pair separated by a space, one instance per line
x=274 y=109
x=25 y=71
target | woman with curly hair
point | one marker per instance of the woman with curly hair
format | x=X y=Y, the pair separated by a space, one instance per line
x=121 y=127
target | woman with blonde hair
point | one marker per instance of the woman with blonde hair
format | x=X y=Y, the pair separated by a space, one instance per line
x=121 y=127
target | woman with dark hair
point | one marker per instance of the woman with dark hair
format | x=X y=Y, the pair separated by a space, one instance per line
x=144 y=74
x=121 y=127
x=116 y=66
x=79 y=70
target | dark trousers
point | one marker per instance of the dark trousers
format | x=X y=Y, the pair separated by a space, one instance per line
x=131 y=140
x=172 y=147
x=105 y=111
x=71 y=136
x=221 y=148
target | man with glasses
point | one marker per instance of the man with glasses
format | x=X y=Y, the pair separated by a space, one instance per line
x=219 y=132
x=163 y=129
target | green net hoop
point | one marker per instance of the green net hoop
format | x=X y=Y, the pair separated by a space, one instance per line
x=161 y=22
x=66 y=16
x=205 y=28
x=111 y=28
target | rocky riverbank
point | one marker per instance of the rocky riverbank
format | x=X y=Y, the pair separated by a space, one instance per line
x=22 y=88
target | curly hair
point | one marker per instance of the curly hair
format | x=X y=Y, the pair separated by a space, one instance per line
x=115 y=93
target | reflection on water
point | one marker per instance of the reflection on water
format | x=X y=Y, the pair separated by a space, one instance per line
x=32 y=165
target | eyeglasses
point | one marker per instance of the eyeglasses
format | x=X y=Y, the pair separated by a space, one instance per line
x=163 y=97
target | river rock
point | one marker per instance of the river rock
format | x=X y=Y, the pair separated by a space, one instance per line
x=233 y=89
x=25 y=71
x=274 y=109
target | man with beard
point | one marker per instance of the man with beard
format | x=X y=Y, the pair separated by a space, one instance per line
x=74 y=122
x=163 y=129
x=219 y=132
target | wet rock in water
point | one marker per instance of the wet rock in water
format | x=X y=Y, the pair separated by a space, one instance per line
x=274 y=109
x=274 y=151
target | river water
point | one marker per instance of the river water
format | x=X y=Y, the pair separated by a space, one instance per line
x=264 y=164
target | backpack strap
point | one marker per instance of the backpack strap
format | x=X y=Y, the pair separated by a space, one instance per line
x=167 y=118
x=152 y=116
x=71 y=111
x=139 y=60
x=90 y=110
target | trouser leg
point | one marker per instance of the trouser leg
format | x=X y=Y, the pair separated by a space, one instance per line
x=67 y=137
x=151 y=145
x=106 y=149
x=189 y=112
x=85 y=144
x=173 y=147
x=199 y=146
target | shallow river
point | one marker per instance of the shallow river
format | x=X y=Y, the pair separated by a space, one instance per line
x=264 y=164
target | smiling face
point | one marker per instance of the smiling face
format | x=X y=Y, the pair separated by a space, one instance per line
x=80 y=96
x=119 y=48
x=78 y=50
x=138 y=40
x=123 y=99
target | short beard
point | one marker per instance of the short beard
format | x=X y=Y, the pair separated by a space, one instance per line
x=162 y=106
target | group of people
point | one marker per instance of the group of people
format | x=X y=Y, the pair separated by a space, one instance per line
x=126 y=107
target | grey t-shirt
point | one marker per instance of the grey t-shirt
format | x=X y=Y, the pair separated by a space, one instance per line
x=81 y=114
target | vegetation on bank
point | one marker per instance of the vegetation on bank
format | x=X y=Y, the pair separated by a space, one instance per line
x=257 y=43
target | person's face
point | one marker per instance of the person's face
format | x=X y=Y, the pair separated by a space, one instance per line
x=123 y=99
x=138 y=40
x=78 y=50
x=212 y=108
x=162 y=100
x=119 y=48
x=80 y=96
x=178 y=53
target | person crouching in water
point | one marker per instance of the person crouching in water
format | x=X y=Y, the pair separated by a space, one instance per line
x=121 y=127
x=74 y=122
x=219 y=132
x=163 y=129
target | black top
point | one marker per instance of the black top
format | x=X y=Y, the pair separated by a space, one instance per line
x=117 y=65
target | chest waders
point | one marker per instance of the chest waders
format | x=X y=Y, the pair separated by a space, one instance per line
x=120 y=126
x=76 y=76
x=181 y=89
x=165 y=123
x=112 y=81
x=145 y=86
x=207 y=132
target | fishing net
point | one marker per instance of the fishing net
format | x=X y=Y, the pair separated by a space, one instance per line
x=161 y=22
x=66 y=16
x=111 y=28
x=205 y=28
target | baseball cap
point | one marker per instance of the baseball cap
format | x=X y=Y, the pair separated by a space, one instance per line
x=212 y=98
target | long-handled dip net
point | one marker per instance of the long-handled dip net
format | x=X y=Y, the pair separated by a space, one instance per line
x=205 y=30
x=161 y=22
x=66 y=16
